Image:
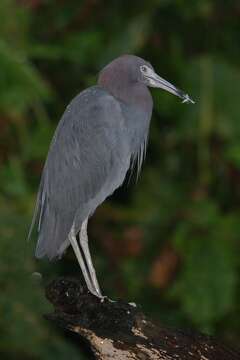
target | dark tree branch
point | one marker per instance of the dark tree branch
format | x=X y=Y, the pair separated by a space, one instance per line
x=118 y=330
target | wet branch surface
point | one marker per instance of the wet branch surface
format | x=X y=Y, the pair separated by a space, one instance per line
x=119 y=330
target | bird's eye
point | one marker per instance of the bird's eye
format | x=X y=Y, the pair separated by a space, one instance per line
x=143 y=68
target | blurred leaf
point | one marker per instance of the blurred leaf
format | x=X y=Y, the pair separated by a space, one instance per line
x=13 y=180
x=38 y=141
x=129 y=40
x=207 y=282
x=20 y=84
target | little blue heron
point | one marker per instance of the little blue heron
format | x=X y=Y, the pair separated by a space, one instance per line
x=102 y=132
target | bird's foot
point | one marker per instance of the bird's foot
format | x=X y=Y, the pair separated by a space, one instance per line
x=97 y=294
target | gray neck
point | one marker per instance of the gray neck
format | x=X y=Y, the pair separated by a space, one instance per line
x=131 y=93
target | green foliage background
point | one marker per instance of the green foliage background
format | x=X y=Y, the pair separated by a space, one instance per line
x=171 y=242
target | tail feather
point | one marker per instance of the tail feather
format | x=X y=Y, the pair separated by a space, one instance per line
x=38 y=211
x=52 y=228
x=52 y=234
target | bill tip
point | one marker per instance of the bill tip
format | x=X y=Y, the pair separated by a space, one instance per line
x=186 y=99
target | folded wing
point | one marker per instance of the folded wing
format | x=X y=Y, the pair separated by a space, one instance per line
x=87 y=160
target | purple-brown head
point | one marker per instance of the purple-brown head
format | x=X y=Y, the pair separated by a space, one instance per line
x=129 y=71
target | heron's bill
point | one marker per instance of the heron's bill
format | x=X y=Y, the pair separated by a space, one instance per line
x=158 y=82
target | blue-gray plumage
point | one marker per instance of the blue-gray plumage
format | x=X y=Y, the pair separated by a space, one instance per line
x=102 y=132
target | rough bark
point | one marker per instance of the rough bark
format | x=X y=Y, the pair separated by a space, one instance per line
x=119 y=330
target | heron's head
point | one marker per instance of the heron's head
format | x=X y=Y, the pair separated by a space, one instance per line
x=129 y=70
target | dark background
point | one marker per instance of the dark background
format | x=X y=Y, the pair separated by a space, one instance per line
x=169 y=242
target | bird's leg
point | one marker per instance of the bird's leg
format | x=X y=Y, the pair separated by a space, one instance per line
x=74 y=243
x=83 y=239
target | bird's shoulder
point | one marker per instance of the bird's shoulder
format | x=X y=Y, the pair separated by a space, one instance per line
x=92 y=104
x=92 y=112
